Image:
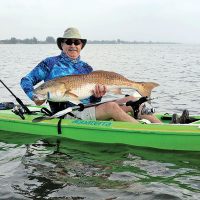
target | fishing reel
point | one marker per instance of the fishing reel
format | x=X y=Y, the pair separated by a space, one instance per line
x=147 y=110
x=18 y=110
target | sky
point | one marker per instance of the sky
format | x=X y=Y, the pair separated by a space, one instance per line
x=130 y=20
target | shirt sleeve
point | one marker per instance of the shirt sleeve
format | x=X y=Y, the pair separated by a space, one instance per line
x=38 y=74
x=88 y=68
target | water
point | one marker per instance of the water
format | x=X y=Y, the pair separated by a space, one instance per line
x=174 y=67
x=32 y=167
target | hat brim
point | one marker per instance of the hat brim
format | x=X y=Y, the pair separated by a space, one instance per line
x=60 y=39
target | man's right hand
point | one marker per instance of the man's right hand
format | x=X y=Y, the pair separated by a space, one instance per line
x=99 y=91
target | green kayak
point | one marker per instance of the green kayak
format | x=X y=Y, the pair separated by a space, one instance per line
x=161 y=136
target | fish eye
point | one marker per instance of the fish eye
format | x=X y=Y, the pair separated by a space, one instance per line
x=42 y=87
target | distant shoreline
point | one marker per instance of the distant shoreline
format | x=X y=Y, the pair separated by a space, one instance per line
x=102 y=43
x=51 y=40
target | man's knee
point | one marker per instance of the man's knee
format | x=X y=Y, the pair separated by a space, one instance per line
x=131 y=98
x=111 y=106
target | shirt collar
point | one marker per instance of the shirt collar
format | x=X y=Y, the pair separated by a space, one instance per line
x=66 y=57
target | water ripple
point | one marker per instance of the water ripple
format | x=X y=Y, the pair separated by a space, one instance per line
x=74 y=170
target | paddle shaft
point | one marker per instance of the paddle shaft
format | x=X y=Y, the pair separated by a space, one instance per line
x=61 y=113
x=82 y=107
x=17 y=99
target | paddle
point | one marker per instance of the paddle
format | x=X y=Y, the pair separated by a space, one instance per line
x=81 y=107
x=56 y=115
x=17 y=99
x=61 y=113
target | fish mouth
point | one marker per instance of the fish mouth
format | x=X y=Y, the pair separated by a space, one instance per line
x=39 y=97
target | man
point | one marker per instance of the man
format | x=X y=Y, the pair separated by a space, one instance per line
x=69 y=63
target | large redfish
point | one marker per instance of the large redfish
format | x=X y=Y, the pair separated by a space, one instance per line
x=74 y=88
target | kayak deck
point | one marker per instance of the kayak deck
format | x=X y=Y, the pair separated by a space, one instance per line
x=161 y=136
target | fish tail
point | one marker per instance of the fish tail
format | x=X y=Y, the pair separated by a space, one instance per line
x=145 y=88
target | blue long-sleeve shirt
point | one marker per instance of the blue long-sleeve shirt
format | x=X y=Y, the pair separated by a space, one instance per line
x=54 y=67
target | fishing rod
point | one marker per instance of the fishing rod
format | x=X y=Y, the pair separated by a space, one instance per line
x=17 y=99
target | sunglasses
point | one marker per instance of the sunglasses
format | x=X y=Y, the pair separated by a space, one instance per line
x=75 y=42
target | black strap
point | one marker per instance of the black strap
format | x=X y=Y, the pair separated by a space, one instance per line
x=136 y=104
x=59 y=128
x=58 y=106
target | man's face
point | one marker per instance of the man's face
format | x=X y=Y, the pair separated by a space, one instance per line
x=72 y=47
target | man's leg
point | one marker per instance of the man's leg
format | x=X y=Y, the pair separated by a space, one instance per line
x=151 y=117
x=126 y=109
x=112 y=110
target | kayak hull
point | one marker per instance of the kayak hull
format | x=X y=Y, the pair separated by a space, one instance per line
x=160 y=136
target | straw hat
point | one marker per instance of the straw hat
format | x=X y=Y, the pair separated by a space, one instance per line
x=70 y=33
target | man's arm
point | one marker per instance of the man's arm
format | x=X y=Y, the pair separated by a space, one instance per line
x=28 y=82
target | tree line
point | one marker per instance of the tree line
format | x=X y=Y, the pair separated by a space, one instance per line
x=34 y=40
x=51 y=40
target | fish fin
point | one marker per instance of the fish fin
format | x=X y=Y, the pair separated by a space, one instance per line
x=73 y=98
x=116 y=91
x=136 y=94
x=97 y=71
x=146 y=88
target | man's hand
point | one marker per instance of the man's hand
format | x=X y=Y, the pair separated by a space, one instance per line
x=39 y=102
x=99 y=91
